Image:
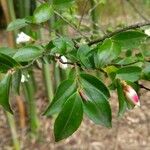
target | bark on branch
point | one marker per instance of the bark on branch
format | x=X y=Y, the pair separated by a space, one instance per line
x=134 y=26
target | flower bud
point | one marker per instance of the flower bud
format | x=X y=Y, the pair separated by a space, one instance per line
x=24 y=78
x=147 y=31
x=61 y=62
x=23 y=38
x=130 y=94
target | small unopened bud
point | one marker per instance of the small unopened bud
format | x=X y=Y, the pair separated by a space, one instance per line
x=23 y=38
x=62 y=62
x=83 y=95
x=24 y=78
x=130 y=94
x=147 y=31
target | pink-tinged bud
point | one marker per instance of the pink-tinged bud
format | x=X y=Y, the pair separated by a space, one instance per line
x=83 y=95
x=131 y=94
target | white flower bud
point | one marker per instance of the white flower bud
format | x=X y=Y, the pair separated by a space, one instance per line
x=23 y=38
x=62 y=61
x=24 y=78
x=131 y=94
x=147 y=31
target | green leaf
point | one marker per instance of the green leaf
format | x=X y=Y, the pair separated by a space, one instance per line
x=42 y=13
x=27 y=53
x=64 y=91
x=16 y=80
x=131 y=73
x=17 y=24
x=121 y=99
x=146 y=71
x=4 y=92
x=6 y=63
x=129 y=39
x=69 y=119
x=62 y=45
x=7 y=51
x=107 y=52
x=60 y=2
x=91 y=81
x=97 y=107
x=83 y=55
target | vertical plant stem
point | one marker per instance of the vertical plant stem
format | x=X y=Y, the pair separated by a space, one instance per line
x=93 y=16
x=48 y=80
x=57 y=75
x=32 y=112
x=12 y=125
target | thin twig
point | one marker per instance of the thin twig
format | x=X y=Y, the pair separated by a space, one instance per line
x=143 y=87
x=84 y=8
x=70 y=24
x=134 y=26
x=137 y=11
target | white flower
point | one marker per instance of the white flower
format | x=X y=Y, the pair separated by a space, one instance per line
x=23 y=38
x=24 y=78
x=131 y=94
x=147 y=31
x=61 y=62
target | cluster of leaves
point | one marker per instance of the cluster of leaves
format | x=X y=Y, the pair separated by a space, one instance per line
x=81 y=92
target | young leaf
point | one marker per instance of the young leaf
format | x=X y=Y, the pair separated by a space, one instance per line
x=64 y=91
x=69 y=119
x=107 y=52
x=42 y=13
x=131 y=73
x=62 y=45
x=91 y=81
x=121 y=99
x=17 y=24
x=97 y=107
x=6 y=63
x=4 y=92
x=7 y=51
x=27 y=53
x=83 y=55
x=129 y=39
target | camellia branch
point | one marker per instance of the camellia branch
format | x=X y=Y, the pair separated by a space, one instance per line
x=143 y=87
x=136 y=10
x=134 y=26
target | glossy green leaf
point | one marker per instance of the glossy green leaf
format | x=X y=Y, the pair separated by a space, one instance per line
x=97 y=107
x=17 y=24
x=7 y=51
x=131 y=73
x=93 y=82
x=62 y=45
x=27 y=53
x=6 y=63
x=121 y=99
x=42 y=13
x=4 y=92
x=129 y=39
x=64 y=91
x=83 y=55
x=69 y=119
x=107 y=52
